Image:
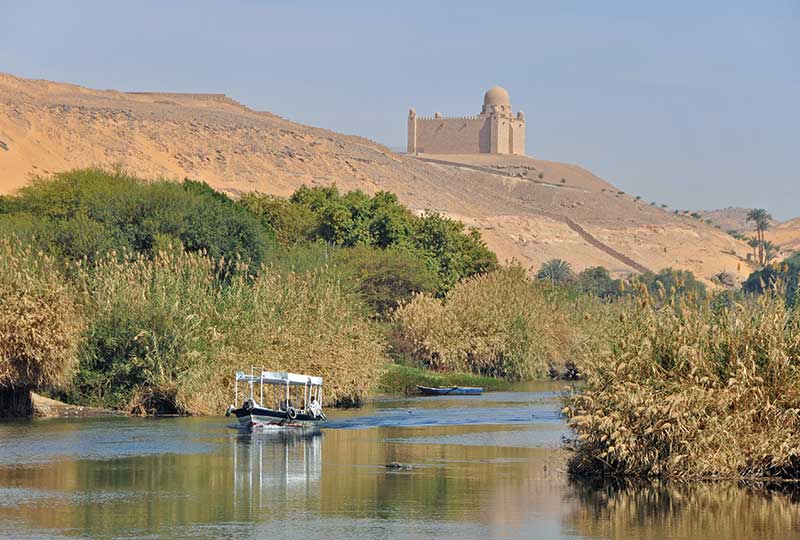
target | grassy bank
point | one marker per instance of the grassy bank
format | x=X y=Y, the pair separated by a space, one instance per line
x=397 y=379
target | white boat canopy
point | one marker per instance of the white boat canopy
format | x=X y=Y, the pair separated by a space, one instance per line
x=277 y=377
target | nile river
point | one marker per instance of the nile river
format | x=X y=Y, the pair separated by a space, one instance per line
x=479 y=467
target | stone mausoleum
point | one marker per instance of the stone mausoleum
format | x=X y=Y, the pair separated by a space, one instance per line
x=494 y=131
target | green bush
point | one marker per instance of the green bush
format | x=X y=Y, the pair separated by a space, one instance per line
x=83 y=212
x=386 y=277
x=598 y=282
x=669 y=283
x=292 y=223
x=778 y=276
x=358 y=220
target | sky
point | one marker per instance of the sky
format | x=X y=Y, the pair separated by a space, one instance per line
x=694 y=104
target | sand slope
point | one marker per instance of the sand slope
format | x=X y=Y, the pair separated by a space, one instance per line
x=523 y=207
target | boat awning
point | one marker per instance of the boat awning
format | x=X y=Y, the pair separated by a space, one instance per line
x=278 y=377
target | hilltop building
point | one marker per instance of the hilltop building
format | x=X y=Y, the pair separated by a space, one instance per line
x=494 y=131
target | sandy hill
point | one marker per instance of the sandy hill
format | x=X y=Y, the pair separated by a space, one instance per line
x=786 y=235
x=528 y=209
x=731 y=218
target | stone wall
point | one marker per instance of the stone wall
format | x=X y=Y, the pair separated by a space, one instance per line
x=466 y=135
x=452 y=135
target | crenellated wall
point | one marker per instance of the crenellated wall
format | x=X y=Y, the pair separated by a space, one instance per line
x=494 y=131
x=467 y=135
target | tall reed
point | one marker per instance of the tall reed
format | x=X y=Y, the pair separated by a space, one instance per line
x=167 y=333
x=40 y=322
x=692 y=390
x=501 y=324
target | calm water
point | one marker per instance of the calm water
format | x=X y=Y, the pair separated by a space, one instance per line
x=482 y=467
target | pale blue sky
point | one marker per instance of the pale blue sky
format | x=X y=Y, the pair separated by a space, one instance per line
x=693 y=104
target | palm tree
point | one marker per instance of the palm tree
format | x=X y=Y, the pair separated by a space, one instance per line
x=761 y=218
x=753 y=243
x=557 y=271
x=769 y=250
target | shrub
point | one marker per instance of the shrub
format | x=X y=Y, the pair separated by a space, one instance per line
x=557 y=271
x=40 y=323
x=499 y=324
x=783 y=276
x=598 y=282
x=386 y=278
x=292 y=223
x=669 y=283
x=166 y=334
x=89 y=211
x=692 y=390
x=356 y=219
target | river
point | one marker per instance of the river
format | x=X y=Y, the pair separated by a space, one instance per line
x=474 y=467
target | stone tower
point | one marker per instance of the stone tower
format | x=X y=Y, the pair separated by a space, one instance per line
x=494 y=131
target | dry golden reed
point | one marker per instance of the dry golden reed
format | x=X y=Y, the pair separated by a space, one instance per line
x=501 y=324
x=173 y=333
x=692 y=390
x=40 y=323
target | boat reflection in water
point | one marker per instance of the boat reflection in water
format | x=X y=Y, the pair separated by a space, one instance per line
x=273 y=466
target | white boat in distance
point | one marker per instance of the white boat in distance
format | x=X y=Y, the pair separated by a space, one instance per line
x=292 y=400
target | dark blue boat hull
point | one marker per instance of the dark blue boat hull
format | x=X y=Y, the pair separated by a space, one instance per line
x=450 y=391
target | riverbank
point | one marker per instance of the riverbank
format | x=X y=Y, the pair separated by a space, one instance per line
x=21 y=403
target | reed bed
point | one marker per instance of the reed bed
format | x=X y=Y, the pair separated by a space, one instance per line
x=500 y=324
x=166 y=333
x=40 y=321
x=691 y=390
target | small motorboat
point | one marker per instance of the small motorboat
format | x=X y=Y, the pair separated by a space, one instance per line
x=292 y=400
x=450 y=390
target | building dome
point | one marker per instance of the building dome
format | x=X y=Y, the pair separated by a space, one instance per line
x=496 y=95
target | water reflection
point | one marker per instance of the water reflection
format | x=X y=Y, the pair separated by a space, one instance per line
x=661 y=510
x=196 y=478
x=275 y=466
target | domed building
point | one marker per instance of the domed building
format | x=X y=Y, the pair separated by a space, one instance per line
x=494 y=131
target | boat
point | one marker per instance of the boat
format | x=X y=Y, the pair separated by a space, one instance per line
x=274 y=399
x=450 y=390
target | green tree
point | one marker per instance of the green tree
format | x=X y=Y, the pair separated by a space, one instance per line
x=598 y=282
x=80 y=213
x=453 y=254
x=293 y=223
x=776 y=277
x=386 y=277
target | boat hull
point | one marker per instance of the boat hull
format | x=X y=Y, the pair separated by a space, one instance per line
x=258 y=417
x=450 y=391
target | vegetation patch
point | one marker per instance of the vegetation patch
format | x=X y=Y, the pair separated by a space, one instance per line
x=40 y=320
x=166 y=333
x=501 y=324
x=692 y=390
